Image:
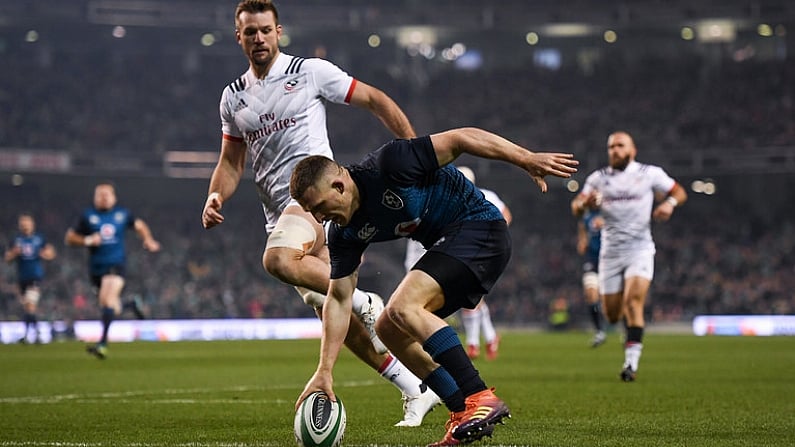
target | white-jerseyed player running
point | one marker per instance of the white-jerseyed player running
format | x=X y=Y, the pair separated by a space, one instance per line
x=624 y=192
x=275 y=113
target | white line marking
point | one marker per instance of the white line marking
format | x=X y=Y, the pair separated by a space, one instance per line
x=124 y=396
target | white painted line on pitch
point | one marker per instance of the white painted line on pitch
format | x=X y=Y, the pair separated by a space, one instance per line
x=117 y=396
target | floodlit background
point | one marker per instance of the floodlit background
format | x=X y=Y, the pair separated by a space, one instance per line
x=128 y=90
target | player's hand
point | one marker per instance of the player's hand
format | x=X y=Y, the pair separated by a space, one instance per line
x=593 y=200
x=663 y=212
x=550 y=163
x=92 y=240
x=211 y=215
x=320 y=381
x=151 y=245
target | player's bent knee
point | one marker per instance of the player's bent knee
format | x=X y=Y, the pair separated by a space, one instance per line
x=32 y=296
x=590 y=280
x=292 y=232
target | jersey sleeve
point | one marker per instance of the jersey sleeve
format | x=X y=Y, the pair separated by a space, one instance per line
x=82 y=226
x=345 y=254
x=130 y=218
x=590 y=183
x=228 y=126
x=661 y=181
x=408 y=161
x=331 y=82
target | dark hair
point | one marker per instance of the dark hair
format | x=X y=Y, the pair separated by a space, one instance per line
x=307 y=172
x=256 y=6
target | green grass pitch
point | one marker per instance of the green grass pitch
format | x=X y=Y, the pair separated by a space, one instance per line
x=691 y=391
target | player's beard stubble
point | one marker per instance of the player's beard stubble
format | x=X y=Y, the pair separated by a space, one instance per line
x=620 y=163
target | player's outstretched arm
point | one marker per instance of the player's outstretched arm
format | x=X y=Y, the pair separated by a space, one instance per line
x=451 y=144
x=336 y=321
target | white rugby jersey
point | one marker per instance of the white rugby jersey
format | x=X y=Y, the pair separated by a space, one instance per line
x=627 y=201
x=282 y=119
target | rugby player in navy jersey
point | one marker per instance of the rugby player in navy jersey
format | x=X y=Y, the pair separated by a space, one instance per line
x=29 y=249
x=589 y=231
x=408 y=188
x=101 y=228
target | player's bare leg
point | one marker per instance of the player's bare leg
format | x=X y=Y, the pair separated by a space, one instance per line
x=432 y=350
x=297 y=254
x=110 y=304
x=635 y=290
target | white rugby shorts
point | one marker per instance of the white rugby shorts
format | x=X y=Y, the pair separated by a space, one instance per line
x=613 y=270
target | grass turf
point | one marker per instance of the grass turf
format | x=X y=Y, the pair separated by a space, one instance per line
x=691 y=391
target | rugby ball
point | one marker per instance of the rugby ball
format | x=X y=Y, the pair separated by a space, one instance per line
x=319 y=422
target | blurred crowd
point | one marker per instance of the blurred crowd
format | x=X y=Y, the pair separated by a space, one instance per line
x=710 y=260
x=713 y=257
x=150 y=102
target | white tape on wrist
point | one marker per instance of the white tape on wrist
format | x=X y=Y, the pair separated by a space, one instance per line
x=672 y=200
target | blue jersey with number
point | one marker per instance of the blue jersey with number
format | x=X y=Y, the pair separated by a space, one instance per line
x=29 y=265
x=404 y=193
x=111 y=225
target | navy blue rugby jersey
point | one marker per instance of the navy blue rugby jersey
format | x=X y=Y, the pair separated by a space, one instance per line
x=111 y=225
x=404 y=193
x=29 y=266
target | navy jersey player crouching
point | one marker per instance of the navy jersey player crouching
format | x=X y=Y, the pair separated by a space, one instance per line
x=101 y=229
x=408 y=188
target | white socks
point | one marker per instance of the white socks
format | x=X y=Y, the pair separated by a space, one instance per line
x=360 y=299
x=489 y=334
x=473 y=320
x=632 y=353
x=400 y=376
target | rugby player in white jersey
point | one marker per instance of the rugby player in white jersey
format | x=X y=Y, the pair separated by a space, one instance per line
x=625 y=192
x=275 y=114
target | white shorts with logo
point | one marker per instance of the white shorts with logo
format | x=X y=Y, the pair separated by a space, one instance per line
x=613 y=270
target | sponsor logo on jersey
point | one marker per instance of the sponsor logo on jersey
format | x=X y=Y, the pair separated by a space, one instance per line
x=107 y=231
x=27 y=250
x=404 y=229
x=270 y=128
x=391 y=200
x=367 y=232
x=119 y=217
x=291 y=85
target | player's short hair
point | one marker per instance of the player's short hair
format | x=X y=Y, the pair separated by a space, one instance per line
x=254 y=7
x=307 y=172
x=106 y=183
